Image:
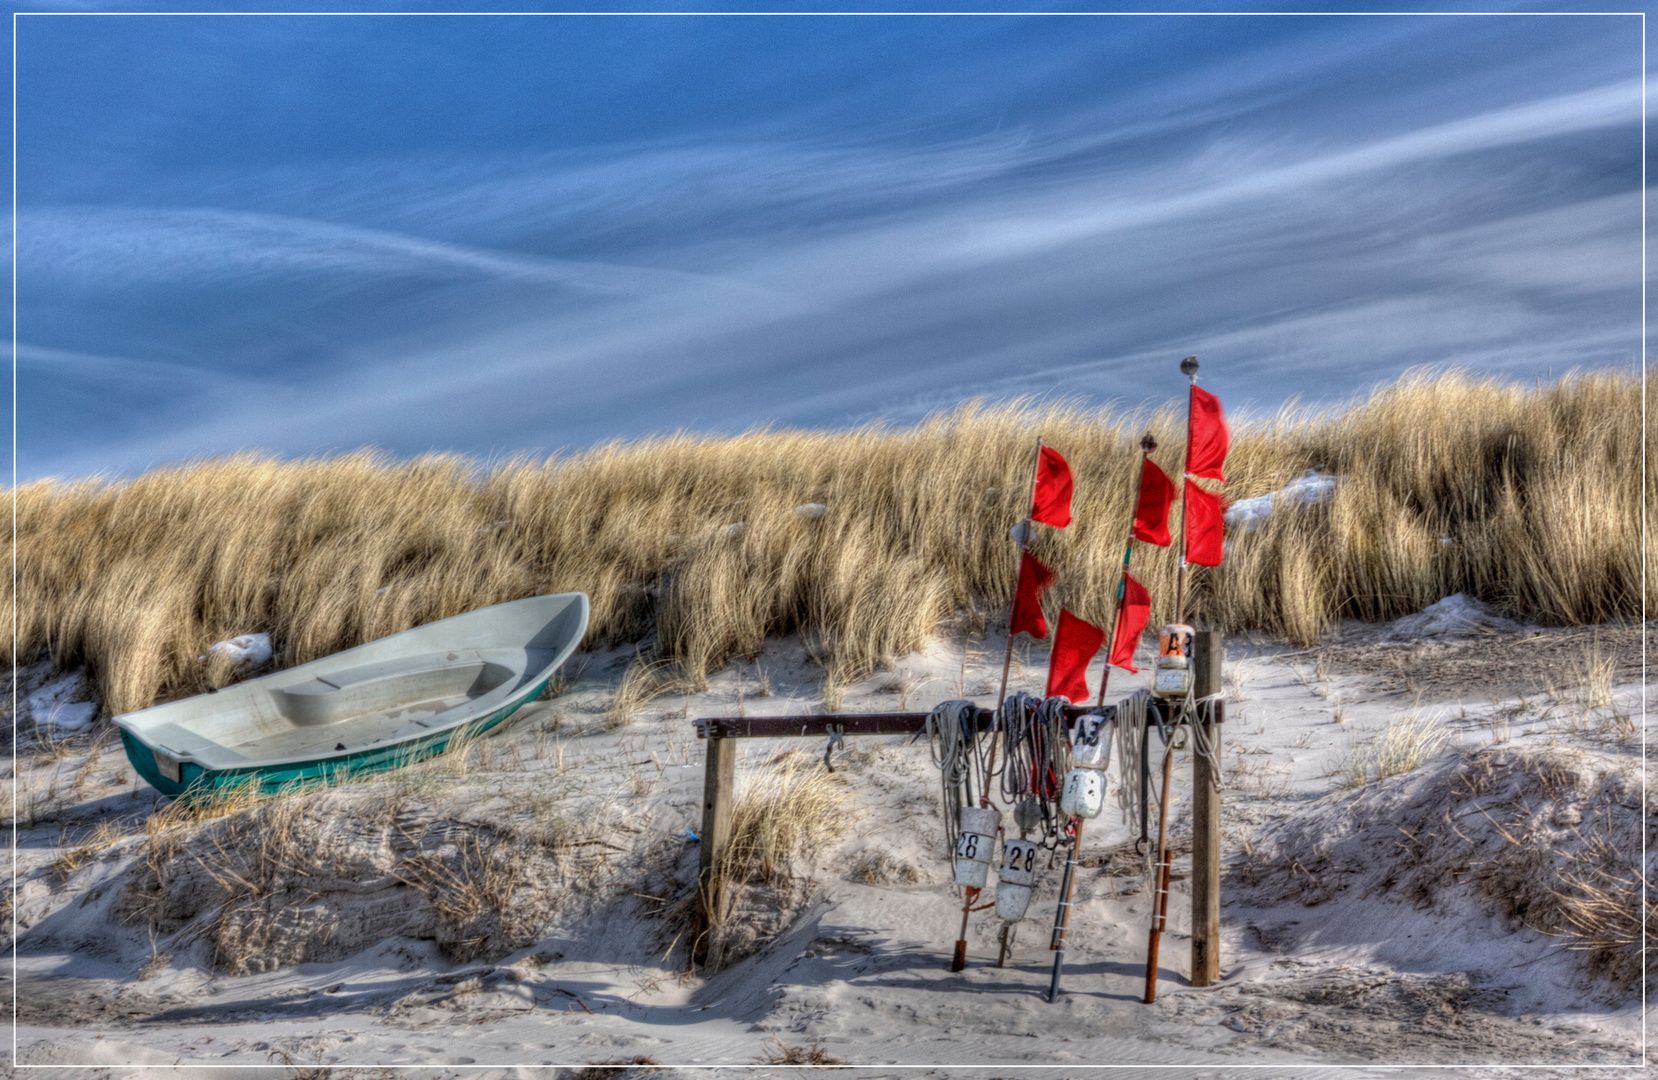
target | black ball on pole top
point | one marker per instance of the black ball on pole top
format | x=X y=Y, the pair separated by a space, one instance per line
x=1188 y=367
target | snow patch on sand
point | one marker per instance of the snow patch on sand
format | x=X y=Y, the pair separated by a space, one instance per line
x=246 y=652
x=1456 y=615
x=56 y=707
x=1309 y=489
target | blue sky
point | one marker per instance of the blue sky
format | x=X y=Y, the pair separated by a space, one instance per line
x=496 y=234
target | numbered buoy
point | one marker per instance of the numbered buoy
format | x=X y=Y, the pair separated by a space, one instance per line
x=1172 y=677
x=1084 y=794
x=1018 y=876
x=1091 y=740
x=976 y=845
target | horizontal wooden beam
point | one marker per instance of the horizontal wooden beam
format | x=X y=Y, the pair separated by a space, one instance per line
x=899 y=723
x=783 y=727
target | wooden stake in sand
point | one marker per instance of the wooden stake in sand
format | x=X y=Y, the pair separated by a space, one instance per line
x=1062 y=915
x=1206 y=683
x=718 y=780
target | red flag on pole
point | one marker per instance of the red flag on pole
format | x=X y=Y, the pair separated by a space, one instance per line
x=1054 y=485
x=1151 y=515
x=1209 y=437
x=1034 y=579
x=1131 y=624
x=1205 y=531
x=1075 y=643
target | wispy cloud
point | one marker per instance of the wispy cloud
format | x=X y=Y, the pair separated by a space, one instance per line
x=112 y=248
x=532 y=300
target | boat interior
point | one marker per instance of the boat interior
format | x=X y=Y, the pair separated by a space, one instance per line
x=356 y=709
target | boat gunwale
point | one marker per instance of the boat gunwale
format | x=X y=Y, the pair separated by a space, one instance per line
x=531 y=684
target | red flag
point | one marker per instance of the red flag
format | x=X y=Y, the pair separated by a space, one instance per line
x=1132 y=623
x=1034 y=579
x=1204 y=529
x=1052 y=502
x=1151 y=516
x=1206 y=452
x=1075 y=643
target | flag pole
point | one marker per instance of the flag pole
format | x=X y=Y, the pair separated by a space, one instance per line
x=1024 y=546
x=958 y=960
x=1062 y=915
x=1147 y=445
x=1188 y=368
x=1160 y=897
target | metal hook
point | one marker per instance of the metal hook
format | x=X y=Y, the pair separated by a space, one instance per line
x=837 y=737
x=1164 y=731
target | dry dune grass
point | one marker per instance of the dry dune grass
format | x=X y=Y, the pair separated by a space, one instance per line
x=784 y=813
x=274 y=880
x=1525 y=496
x=1403 y=747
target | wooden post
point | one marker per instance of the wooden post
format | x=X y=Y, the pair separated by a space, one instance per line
x=718 y=779
x=1207 y=655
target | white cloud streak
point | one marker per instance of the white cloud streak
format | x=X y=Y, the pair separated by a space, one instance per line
x=972 y=269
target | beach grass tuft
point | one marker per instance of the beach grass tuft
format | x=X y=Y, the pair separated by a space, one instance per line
x=1525 y=496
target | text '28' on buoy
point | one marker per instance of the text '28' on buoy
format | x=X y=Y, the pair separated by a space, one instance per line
x=1018 y=878
x=976 y=845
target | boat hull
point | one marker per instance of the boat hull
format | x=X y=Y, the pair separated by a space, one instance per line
x=211 y=743
x=269 y=780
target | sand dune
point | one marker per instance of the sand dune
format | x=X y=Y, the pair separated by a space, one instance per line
x=524 y=905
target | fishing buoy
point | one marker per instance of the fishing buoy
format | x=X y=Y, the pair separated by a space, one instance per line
x=1091 y=740
x=1084 y=794
x=1018 y=876
x=976 y=845
x=1173 y=675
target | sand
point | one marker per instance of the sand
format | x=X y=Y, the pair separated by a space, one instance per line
x=345 y=959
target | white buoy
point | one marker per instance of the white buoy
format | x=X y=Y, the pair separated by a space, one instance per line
x=1084 y=793
x=1091 y=740
x=1018 y=878
x=976 y=845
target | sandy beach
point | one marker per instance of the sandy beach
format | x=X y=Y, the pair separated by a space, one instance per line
x=1342 y=946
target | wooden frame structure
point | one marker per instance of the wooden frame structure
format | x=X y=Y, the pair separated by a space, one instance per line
x=719 y=781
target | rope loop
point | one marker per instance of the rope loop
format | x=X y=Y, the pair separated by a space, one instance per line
x=952 y=732
x=1205 y=737
x=1131 y=737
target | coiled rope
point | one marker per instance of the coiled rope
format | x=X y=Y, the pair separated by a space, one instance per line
x=1205 y=737
x=1036 y=756
x=1057 y=743
x=952 y=732
x=1018 y=743
x=1131 y=734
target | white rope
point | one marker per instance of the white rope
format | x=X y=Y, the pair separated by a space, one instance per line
x=1206 y=739
x=1131 y=733
x=951 y=732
